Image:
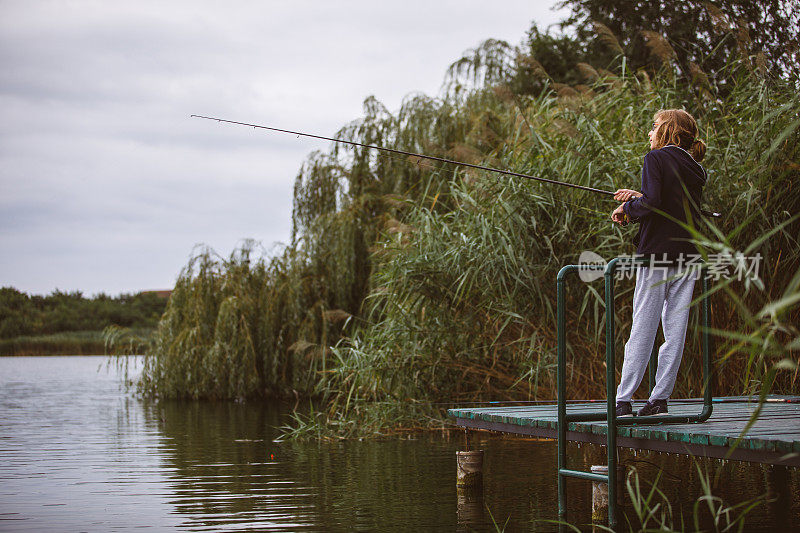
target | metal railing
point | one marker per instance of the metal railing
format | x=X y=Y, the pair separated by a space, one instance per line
x=610 y=415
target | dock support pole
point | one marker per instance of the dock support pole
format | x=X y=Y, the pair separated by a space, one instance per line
x=600 y=502
x=599 y=495
x=469 y=469
x=470 y=508
x=469 y=485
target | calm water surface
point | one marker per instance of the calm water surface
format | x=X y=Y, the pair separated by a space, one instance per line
x=78 y=453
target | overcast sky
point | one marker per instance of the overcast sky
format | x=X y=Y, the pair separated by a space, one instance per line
x=106 y=184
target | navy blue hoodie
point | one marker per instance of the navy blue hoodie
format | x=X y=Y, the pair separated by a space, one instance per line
x=672 y=182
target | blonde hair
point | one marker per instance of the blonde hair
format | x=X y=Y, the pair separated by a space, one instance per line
x=679 y=128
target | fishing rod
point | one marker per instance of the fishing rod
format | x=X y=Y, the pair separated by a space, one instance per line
x=433 y=158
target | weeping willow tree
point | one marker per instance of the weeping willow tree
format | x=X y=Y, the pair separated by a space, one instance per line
x=409 y=282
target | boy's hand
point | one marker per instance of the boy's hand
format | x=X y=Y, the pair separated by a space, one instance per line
x=623 y=195
x=619 y=216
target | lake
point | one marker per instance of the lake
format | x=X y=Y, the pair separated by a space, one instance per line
x=80 y=453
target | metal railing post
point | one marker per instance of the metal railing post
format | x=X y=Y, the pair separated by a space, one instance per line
x=610 y=415
x=706 y=343
x=611 y=392
x=561 y=391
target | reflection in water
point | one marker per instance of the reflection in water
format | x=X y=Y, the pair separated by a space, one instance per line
x=228 y=470
x=470 y=508
x=80 y=454
x=77 y=454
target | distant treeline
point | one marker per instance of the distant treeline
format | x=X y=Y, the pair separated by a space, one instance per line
x=33 y=322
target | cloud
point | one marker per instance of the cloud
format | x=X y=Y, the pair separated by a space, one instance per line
x=106 y=184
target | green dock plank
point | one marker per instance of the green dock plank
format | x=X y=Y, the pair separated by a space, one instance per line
x=776 y=430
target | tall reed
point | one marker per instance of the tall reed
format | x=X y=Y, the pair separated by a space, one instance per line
x=462 y=300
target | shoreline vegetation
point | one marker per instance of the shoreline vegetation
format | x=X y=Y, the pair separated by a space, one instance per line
x=70 y=342
x=410 y=285
x=69 y=323
x=64 y=343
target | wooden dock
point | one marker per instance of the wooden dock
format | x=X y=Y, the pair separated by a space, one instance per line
x=774 y=438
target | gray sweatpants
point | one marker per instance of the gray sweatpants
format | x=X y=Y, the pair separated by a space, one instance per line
x=658 y=296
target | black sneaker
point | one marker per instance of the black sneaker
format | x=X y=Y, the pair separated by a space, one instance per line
x=656 y=407
x=624 y=409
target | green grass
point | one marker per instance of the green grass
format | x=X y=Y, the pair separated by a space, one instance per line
x=66 y=343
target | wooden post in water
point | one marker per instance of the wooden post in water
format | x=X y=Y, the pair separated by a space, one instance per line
x=600 y=492
x=469 y=485
x=469 y=469
x=469 y=466
x=599 y=495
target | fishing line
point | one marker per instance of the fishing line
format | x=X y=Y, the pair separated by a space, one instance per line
x=402 y=152
x=433 y=158
x=420 y=163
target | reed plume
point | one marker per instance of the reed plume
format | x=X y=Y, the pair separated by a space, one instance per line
x=719 y=21
x=659 y=46
x=607 y=37
x=588 y=72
